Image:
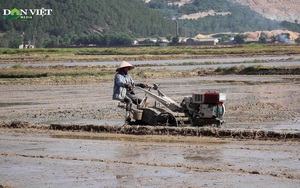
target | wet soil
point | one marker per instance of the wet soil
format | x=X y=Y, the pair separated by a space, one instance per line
x=260 y=101
x=85 y=159
x=256 y=105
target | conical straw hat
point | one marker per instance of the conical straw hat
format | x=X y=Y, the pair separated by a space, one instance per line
x=125 y=64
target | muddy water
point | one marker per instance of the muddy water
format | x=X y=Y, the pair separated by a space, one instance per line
x=56 y=159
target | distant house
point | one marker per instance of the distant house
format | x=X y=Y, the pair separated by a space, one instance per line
x=202 y=41
x=25 y=46
x=162 y=41
x=228 y=42
x=190 y=41
x=143 y=41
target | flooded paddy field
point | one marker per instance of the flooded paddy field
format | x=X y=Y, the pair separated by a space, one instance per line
x=38 y=156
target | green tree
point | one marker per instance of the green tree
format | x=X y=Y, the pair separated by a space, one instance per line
x=169 y=37
x=175 y=40
x=263 y=38
x=239 y=39
x=11 y=40
x=297 y=40
x=224 y=38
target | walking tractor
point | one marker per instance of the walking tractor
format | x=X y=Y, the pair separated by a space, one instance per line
x=200 y=109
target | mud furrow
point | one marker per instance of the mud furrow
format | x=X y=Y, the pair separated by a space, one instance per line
x=189 y=167
x=162 y=130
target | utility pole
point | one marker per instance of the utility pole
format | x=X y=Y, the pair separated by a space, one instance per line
x=176 y=27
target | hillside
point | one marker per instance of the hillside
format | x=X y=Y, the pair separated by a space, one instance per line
x=70 y=20
x=206 y=17
x=115 y=22
x=281 y=10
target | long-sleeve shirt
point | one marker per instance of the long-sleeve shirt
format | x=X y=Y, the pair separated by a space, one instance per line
x=120 y=82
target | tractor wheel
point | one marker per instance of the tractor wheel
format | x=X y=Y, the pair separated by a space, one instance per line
x=166 y=119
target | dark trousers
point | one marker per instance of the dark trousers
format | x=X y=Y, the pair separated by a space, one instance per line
x=131 y=98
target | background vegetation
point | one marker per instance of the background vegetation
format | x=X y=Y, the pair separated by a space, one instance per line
x=241 y=19
x=115 y=22
x=99 y=22
x=41 y=55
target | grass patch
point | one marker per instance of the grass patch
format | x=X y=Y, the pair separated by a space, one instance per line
x=20 y=74
x=258 y=49
x=81 y=74
x=258 y=70
x=18 y=66
x=23 y=75
x=253 y=68
x=141 y=53
x=53 y=71
x=98 y=71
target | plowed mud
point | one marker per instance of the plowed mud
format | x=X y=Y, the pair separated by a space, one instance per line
x=162 y=130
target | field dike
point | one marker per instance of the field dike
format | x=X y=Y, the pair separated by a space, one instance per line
x=161 y=130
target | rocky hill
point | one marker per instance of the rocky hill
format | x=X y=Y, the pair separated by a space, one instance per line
x=288 y=10
x=235 y=16
x=279 y=10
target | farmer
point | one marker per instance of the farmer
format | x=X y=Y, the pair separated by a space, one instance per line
x=123 y=87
